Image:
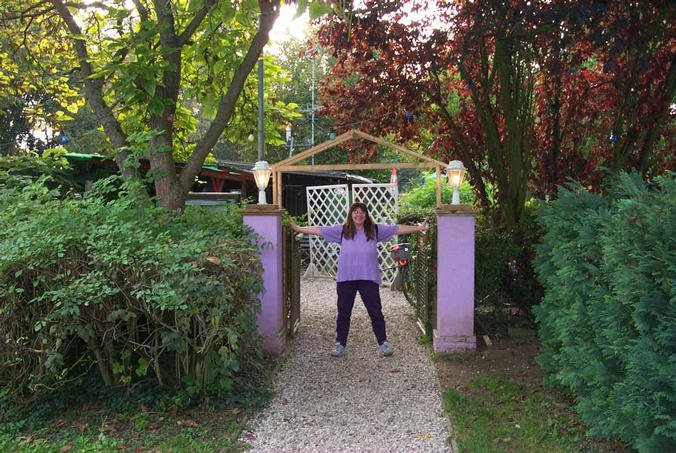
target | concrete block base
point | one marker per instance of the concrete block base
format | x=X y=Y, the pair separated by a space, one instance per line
x=453 y=344
x=274 y=344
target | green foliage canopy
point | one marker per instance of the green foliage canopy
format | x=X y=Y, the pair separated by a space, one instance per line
x=147 y=73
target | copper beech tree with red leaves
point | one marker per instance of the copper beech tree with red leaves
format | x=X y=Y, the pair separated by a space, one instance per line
x=525 y=93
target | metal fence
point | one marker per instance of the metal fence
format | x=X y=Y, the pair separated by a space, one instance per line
x=291 y=288
x=424 y=273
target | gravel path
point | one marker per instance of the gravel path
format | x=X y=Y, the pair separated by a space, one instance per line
x=360 y=402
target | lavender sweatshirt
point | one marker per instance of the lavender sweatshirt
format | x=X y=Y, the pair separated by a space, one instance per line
x=358 y=258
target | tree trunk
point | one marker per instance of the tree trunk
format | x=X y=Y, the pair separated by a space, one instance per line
x=102 y=363
x=514 y=97
x=170 y=193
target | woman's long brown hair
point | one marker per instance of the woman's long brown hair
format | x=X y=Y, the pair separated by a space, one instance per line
x=349 y=228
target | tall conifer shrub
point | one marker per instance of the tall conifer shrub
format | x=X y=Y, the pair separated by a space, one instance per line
x=608 y=317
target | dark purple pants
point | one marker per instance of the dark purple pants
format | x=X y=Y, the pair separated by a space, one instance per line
x=370 y=295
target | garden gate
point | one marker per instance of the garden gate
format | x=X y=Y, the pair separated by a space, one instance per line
x=454 y=319
x=328 y=205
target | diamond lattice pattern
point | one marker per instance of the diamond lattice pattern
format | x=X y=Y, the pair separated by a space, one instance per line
x=328 y=205
x=383 y=203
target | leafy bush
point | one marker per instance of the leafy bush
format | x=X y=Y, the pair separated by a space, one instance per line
x=424 y=195
x=107 y=281
x=608 y=266
x=26 y=167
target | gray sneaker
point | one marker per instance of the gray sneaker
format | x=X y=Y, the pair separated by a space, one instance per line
x=386 y=349
x=338 y=350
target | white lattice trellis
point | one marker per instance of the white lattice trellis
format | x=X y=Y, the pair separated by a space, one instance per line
x=383 y=203
x=328 y=205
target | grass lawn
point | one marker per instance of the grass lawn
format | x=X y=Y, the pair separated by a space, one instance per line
x=498 y=402
x=97 y=419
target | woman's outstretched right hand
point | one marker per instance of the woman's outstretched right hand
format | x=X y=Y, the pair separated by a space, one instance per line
x=306 y=229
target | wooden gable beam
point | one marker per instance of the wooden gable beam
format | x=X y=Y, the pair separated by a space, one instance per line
x=316 y=149
x=370 y=166
x=287 y=165
x=403 y=149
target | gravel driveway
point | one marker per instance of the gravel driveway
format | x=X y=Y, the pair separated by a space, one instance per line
x=360 y=402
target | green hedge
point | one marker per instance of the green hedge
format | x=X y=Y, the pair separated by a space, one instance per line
x=110 y=283
x=608 y=317
x=494 y=249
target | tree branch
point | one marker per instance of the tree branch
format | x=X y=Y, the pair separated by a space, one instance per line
x=226 y=106
x=88 y=5
x=142 y=11
x=464 y=149
x=171 y=77
x=94 y=90
x=24 y=14
x=195 y=22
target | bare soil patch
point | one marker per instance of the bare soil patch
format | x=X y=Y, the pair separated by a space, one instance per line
x=512 y=355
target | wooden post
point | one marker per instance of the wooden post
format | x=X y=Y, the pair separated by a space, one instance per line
x=438 y=187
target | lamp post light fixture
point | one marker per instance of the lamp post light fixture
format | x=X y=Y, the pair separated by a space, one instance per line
x=262 y=173
x=455 y=172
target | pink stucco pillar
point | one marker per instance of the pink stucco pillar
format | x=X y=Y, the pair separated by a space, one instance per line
x=455 y=280
x=266 y=220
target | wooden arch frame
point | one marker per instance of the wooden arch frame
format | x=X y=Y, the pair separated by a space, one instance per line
x=287 y=165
